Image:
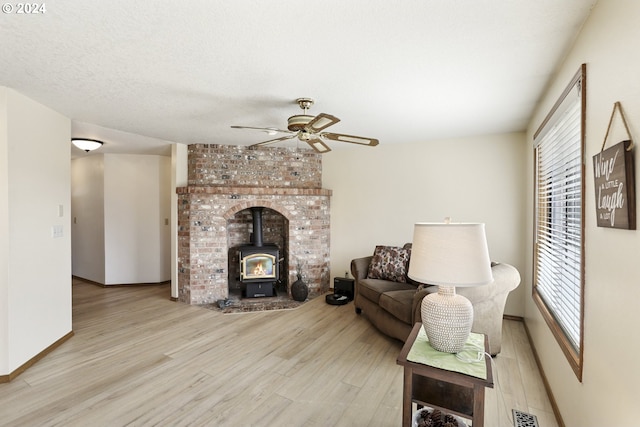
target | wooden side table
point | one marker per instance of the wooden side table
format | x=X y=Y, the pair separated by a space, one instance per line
x=447 y=390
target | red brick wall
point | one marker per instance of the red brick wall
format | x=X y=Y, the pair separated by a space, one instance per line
x=224 y=181
x=231 y=165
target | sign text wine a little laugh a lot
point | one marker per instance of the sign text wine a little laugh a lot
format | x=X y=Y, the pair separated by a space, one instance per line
x=614 y=178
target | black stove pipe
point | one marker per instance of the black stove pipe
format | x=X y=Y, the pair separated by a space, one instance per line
x=256 y=214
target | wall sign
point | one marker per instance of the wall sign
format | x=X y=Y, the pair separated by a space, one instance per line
x=614 y=177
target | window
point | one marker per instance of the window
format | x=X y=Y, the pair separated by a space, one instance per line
x=558 y=283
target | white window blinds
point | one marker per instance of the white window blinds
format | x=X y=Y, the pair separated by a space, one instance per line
x=558 y=268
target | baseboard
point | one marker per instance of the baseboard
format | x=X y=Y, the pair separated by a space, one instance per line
x=547 y=386
x=34 y=359
x=102 y=285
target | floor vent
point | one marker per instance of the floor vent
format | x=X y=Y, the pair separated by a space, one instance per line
x=522 y=419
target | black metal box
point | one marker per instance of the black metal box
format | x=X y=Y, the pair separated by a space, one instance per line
x=260 y=289
x=343 y=286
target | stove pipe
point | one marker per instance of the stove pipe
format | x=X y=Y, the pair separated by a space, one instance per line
x=256 y=213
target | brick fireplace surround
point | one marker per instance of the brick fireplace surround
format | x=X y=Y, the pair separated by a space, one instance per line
x=224 y=181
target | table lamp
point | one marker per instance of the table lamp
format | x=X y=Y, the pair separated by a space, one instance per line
x=449 y=255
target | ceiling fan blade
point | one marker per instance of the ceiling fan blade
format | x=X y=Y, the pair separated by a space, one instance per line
x=270 y=131
x=273 y=140
x=372 y=142
x=318 y=145
x=320 y=122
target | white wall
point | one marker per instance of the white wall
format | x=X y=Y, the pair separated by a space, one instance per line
x=379 y=193
x=4 y=233
x=87 y=208
x=129 y=225
x=179 y=178
x=35 y=268
x=137 y=211
x=608 y=44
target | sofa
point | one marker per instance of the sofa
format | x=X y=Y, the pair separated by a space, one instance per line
x=384 y=294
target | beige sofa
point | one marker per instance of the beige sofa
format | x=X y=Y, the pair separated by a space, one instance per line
x=394 y=307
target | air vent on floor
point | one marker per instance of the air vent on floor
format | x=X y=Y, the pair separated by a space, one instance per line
x=522 y=419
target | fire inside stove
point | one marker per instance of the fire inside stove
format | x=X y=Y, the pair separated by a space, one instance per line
x=258 y=266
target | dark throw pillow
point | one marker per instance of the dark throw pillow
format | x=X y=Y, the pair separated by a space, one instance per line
x=389 y=263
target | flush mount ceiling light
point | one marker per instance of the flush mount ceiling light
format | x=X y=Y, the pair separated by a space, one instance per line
x=86 y=144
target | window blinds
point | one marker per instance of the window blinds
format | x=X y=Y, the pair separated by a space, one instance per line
x=558 y=230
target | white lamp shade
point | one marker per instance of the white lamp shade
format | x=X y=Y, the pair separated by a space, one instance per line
x=453 y=254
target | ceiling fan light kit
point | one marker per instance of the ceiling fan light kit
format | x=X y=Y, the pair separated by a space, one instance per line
x=309 y=129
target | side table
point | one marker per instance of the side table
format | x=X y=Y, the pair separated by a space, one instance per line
x=445 y=389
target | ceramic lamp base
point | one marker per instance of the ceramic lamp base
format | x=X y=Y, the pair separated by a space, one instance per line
x=447 y=318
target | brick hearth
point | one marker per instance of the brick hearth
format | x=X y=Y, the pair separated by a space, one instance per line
x=226 y=180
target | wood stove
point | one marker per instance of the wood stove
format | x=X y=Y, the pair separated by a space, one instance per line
x=259 y=262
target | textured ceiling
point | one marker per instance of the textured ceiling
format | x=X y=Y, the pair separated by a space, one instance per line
x=139 y=74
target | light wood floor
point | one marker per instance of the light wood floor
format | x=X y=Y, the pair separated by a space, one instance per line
x=139 y=359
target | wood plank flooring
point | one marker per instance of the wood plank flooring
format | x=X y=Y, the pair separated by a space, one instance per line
x=139 y=359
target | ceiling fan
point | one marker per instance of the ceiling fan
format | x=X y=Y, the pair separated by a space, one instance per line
x=309 y=129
